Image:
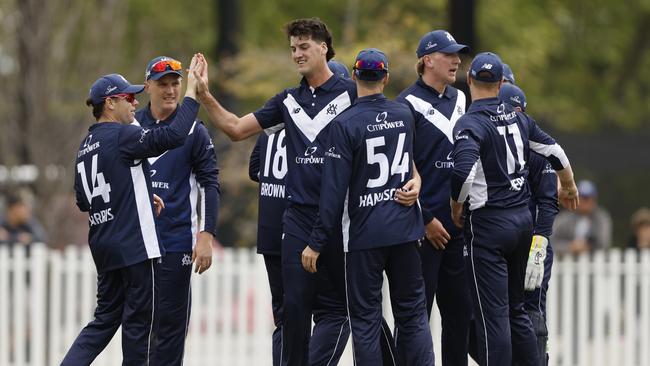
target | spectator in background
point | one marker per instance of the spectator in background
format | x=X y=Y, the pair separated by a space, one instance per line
x=18 y=225
x=587 y=228
x=641 y=229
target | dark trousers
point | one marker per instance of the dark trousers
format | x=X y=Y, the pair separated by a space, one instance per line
x=364 y=278
x=274 y=271
x=173 y=309
x=498 y=242
x=305 y=293
x=125 y=297
x=445 y=278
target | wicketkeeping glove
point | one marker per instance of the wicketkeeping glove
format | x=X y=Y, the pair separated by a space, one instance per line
x=535 y=266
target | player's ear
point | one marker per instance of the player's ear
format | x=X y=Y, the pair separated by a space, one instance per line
x=386 y=78
x=469 y=80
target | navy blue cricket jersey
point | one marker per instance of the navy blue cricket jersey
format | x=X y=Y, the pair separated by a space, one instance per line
x=306 y=114
x=268 y=166
x=543 y=188
x=187 y=179
x=491 y=152
x=370 y=156
x=435 y=117
x=113 y=185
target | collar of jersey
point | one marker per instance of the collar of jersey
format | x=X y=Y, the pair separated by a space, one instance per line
x=327 y=86
x=482 y=103
x=149 y=120
x=369 y=98
x=447 y=93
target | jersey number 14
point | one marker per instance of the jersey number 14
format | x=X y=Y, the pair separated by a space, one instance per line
x=98 y=183
x=400 y=164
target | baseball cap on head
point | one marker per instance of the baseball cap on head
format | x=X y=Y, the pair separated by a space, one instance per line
x=338 y=69
x=587 y=189
x=371 y=64
x=508 y=75
x=513 y=95
x=487 y=67
x=161 y=66
x=109 y=85
x=439 y=41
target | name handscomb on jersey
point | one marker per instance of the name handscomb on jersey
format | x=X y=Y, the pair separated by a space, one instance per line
x=372 y=199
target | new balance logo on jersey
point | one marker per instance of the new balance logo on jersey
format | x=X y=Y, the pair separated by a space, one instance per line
x=431 y=112
x=295 y=111
x=186 y=260
x=331 y=109
x=459 y=110
x=517 y=183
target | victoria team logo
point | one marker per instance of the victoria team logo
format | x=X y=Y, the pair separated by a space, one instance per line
x=186 y=260
x=331 y=109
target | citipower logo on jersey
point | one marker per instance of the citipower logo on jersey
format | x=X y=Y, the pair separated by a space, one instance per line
x=309 y=157
x=383 y=124
x=448 y=164
x=503 y=116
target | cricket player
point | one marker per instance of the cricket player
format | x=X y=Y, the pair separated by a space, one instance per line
x=113 y=184
x=437 y=106
x=370 y=157
x=491 y=151
x=543 y=206
x=186 y=178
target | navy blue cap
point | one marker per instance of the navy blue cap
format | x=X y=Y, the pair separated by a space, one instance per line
x=487 y=67
x=513 y=95
x=508 y=75
x=587 y=188
x=439 y=41
x=150 y=74
x=109 y=85
x=371 y=64
x=338 y=69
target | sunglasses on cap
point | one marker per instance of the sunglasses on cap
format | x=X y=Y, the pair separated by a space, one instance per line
x=370 y=65
x=163 y=65
x=128 y=97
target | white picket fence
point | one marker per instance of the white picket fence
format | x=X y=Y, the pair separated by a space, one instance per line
x=599 y=309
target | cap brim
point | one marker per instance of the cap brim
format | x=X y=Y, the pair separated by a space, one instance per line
x=133 y=89
x=455 y=48
x=166 y=72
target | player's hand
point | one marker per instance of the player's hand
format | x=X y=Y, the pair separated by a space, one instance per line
x=408 y=194
x=535 y=266
x=568 y=196
x=436 y=234
x=158 y=204
x=456 y=212
x=202 y=85
x=202 y=253
x=309 y=258
x=192 y=79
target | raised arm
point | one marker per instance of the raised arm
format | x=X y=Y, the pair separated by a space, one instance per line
x=235 y=127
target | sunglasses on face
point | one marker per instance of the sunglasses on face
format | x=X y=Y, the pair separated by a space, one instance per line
x=161 y=66
x=369 y=65
x=128 y=97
